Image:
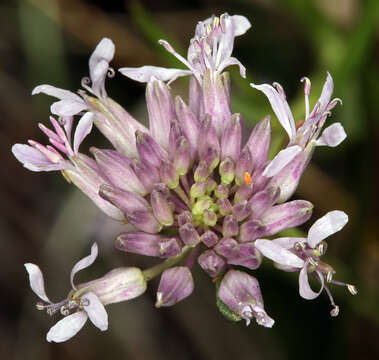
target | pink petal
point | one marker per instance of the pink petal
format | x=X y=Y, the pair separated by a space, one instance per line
x=83 y=263
x=326 y=93
x=284 y=157
x=58 y=93
x=96 y=311
x=68 y=327
x=280 y=108
x=332 y=136
x=34 y=160
x=68 y=107
x=304 y=288
x=82 y=130
x=278 y=254
x=36 y=281
x=329 y=224
x=144 y=73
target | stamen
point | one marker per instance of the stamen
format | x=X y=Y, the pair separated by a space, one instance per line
x=353 y=290
x=307 y=90
x=40 y=306
x=313 y=262
x=329 y=276
x=300 y=245
x=84 y=302
x=86 y=81
x=111 y=72
x=335 y=311
x=64 y=311
x=322 y=248
x=247 y=178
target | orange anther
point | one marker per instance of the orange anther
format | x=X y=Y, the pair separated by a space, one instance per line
x=247 y=178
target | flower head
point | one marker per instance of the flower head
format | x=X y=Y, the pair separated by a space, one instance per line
x=86 y=300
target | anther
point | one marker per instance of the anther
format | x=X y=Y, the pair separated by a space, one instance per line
x=335 y=311
x=111 y=72
x=247 y=178
x=64 y=311
x=329 y=276
x=322 y=248
x=299 y=245
x=313 y=262
x=85 y=81
x=353 y=290
x=40 y=306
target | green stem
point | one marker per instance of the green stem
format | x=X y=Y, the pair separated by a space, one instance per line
x=158 y=269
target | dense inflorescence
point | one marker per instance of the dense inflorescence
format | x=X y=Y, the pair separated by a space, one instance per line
x=189 y=186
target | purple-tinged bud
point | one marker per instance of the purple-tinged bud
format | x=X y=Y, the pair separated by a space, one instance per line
x=175 y=285
x=240 y=292
x=260 y=182
x=203 y=203
x=148 y=244
x=288 y=178
x=189 y=235
x=231 y=139
x=227 y=171
x=116 y=168
x=116 y=124
x=149 y=151
x=175 y=134
x=135 y=207
x=88 y=179
x=285 y=216
x=195 y=98
x=244 y=165
x=160 y=107
x=182 y=157
x=162 y=209
x=207 y=164
x=209 y=238
x=259 y=142
x=208 y=137
x=222 y=191
x=211 y=185
x=216 y=99
x=247 y=256
x=230 y=226
x=184 y=218
x=118 y=285
x=251 y=230
x=198 y=189
x=224 y=206
x=189 y=123
x=147 y=174
x=227 y=247
x=209 y=218
x=211 y=262
x=241 y=210
x=169 y=175
x=262 y=200
x=243 y=193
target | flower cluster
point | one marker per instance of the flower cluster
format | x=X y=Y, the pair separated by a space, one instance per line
x=189 y=186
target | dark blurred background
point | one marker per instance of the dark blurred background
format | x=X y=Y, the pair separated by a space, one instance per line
x=48 y=222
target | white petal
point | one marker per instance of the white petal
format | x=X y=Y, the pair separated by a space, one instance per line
x=304 y=288
x=281 y=160
x=68 y=327
x=56 y=92
x=144 y=73
x=332 y=136
x=288 y=242
x=83 y=263
x=280 y=107
x=241 y=24
x=96 y=311
x=36 y=281
x=329 y=224
x=68 y=107
x=82 y=130
x=278 y=254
